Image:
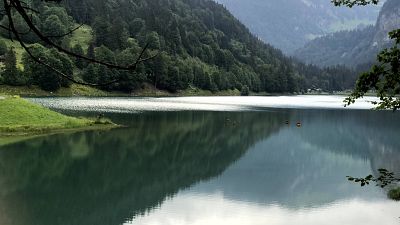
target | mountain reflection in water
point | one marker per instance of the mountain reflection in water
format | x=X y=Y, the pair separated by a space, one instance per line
x=204 y=168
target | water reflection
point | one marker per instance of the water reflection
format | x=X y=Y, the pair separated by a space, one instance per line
x=204 y=168
x=109 y=177
x=215 y=209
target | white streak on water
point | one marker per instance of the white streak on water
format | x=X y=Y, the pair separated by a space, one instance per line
x=134 y=104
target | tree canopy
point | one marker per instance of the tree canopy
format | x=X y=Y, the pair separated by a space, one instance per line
x=196 y=44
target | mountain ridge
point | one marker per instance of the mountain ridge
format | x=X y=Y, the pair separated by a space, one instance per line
x=356 y=47
x=289 y=24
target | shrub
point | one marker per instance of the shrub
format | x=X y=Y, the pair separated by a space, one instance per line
x=394 y=194
x=245 y=91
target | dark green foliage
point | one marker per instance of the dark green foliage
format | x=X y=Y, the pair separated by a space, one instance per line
x=53 y=22
x=394 y=194
x=198 y=43
x=80 y=63
x=153 y=40
x=64 y=65
x=53 y=27
x=349 y=48
x=11 y=75
x=384 y=179
x=351 y=3
x=245 y=91
x=334 y=78
x=90 y=74
x=46 y=78
x=3 y=47
x=22 y=27
x=118 y=34
x=196 y=40
x=383 y=77
x=101 y=30
x=136 y=26
x=90 y=51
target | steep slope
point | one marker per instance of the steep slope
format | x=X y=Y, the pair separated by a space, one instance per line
x=289 y=24
x=355 y=47
x=199 y=41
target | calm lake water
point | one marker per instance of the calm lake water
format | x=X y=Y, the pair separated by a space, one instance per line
x=211 y=161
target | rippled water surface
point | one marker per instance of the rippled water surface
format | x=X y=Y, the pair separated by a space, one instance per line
x=205 y=160
x=129 y=105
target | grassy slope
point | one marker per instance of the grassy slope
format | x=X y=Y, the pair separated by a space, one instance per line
x=74 y=90
x=81 y=90
x=19 y=116
x=83 y=36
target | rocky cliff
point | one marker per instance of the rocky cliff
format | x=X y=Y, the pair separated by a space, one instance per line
x=355 y=47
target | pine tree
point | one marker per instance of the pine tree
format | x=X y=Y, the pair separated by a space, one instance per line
x=77 y=49
x=11 y=75
x=3 y=48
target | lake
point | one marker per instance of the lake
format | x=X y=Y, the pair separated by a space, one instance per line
x=205 y=160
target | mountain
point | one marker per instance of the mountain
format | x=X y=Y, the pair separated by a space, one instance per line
x=289 y=24
x=198 y=43
x=354 y=47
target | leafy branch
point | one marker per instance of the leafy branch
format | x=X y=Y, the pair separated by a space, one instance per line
x=384 y=179
x=384 y=78
x=20 y=7
x=351 y=3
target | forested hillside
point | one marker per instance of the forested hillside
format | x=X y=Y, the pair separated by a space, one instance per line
x=198 y=43
x=354 y=47
x=349 y=48
x=289 y=24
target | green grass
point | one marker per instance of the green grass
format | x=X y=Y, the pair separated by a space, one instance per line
x=20 y=117
x=82 y=36
x=82 y=90
x=74 y=90
x=198 y=92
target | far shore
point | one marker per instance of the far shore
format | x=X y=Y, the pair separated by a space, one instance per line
x=147 y=91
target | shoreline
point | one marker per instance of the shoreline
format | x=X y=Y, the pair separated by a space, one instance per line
x=148 y=91
x=10 y=138
x=22 y=118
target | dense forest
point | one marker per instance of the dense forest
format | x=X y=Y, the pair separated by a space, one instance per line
x=198 y=44
x=348 y=48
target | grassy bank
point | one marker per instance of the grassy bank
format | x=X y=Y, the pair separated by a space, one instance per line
x=74 y=90
x=21 y=117
x=81 y=90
